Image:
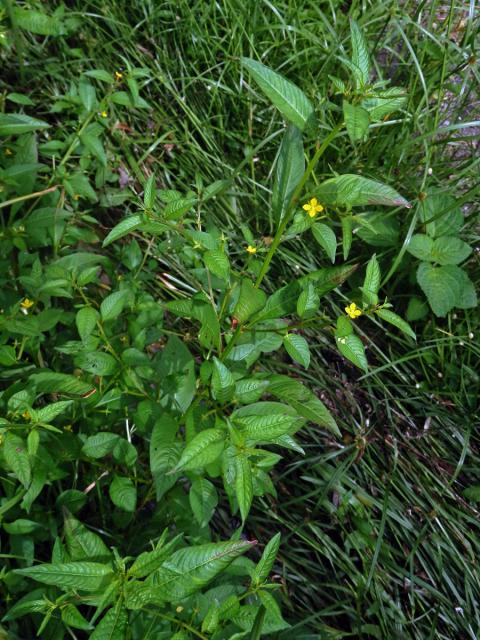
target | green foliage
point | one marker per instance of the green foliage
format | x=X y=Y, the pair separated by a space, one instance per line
x=145 y=353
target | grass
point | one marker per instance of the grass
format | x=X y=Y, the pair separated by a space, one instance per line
x=379 y=541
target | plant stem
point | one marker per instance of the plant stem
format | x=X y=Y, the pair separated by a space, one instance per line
x=293 y=201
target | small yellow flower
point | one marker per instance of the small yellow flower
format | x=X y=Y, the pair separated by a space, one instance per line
x=26 y=303
x=104 y=114
x=251 y=250
x=312 y=207
x=26 y=415
x=353 y=311
x=179 y=609
x=118 y=75
x=8 y=152
x=76 y=196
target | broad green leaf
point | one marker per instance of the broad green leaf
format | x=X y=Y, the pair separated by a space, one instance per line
x=347 y=234
x=100 y=74
x=149 y=193
x=371 y=284
x=149 y=561
x=288 y=170
x=72 y=617
x=360 y=55
x=264 y=566
x=33 y=602
x=250 y=390
x=204 y=449
x=177 y=208
x=112 y=306
x=357 y=121
x=123 y=493
x=97 y=362
x=250 y=301
x=326 y=238
x=217 y=262
x=421 y=247
x=441 y=214
x=83 y=544
x=37 y=22
x=292 y=103
x=17 y=123
x=467 y=295
x=265 y=428
x=385 y=102
x=349 y=344
x=100 y=444
x=164 y=453
x=84 y=576
x=304 y=401
x=297 y=348
x=308 y=302
x=16 y=457
x=450 y=250
x=86 y=321
x=440 y=286
x=397 y=321
x=203 y=500
x=51 y=411
x=223 y=383
x=350 y=190
x=176 y=370
x=87 y=94
x=113 y=625
x=417 y=309
x=92 y=142
x=126 y=226
x=21 y=527
x=187 y=571
x=243 y=484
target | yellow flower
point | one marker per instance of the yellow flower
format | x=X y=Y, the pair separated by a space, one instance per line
x=179 y=609
x=26 y=415
x=353 y=311
x=104 y=114
x=312 y=207
x=26 y=303
x=118 y=75
x=76 y=196
x=8 y=152
x=251 y=249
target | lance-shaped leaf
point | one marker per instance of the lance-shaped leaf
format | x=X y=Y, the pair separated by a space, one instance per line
x=360 y=56
x=113 y=625
x=187 y=571
x=350 y=190
x=84 y=576
x=292 y=103
x=250 y=301
x=397 y=321
x=205 y=447
x=357 y=121
x=288 y=171
x=265 y=564
x=16 y=456
x=371 y=284
x=243 y=484
x=223 y=383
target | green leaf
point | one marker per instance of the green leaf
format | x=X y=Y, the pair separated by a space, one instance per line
x=126 y=226
x=360 y=55
x=177 y=208
x=397 y=321
x=417 y=309
x=87 y=94
x=51 y=411
x=92 y=142
x=149 y=193
x=123 y=493
x=347 y=234
x=304 y=401
x=249 y=390
x=421 y=247
x=385 y=102
x=284 y=95
x=97 y=362
x=17 y=123
x=51 y=382
x=288 y=170
x=250 y=301
x=86 y=321
x=72 y=617
x=308 y=302
x=350 y=190
x=371 y=284
x=217 y=262
x=203 y=449
x=326 y=238
x=437 y=224
x=264 y=566
x=16 y=457
x=266 y=428
x=84 y=576
x=223 y=383
x=100 y=74
x=440 y=285
x=37 y=22
x=112 y=305
x=100 y=444
x=243 y=484
x=187 y=571
x=149 y=561
x=113 y=625
x=466 y=293
x=450 y=250
x=83 y=544
x=297 y=348
x=351 y=347
x=203 y=500
x=357 y=121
